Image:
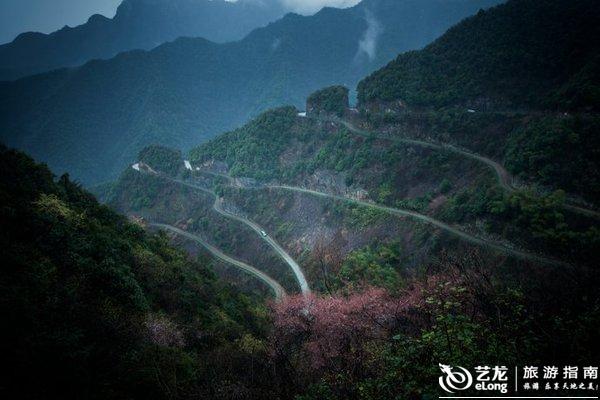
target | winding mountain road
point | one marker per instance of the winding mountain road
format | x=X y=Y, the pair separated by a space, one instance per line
x=497 y=246
x=218 y=207
x=428 y=220
x=278 y=249
x=504 y=178
x=278 y=290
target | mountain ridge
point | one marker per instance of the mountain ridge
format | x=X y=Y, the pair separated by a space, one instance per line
x=408 y=231
x=533 y=64
x=93 y=120
x=138 y=24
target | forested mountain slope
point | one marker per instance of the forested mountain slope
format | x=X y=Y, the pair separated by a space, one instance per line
x=93 y=307
x=522 y=54
x=394 y=170
x=386 y=228
x=526 y=72
x=138 y=24
x=427 y=235
x=92 y=121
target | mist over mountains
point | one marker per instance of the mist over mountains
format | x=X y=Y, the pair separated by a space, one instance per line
x=450 y=218
x=145 y=24
x=138 y=24
x=92 y=121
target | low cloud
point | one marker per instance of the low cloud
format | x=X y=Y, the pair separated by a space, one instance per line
x=367 y=46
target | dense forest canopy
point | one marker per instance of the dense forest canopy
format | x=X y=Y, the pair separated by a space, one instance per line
x=162 y=159
x=93 y=307
x=525 y=53
x=331 y=100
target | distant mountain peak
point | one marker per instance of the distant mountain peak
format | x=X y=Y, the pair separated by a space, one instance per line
x=138 y=24
x=97 y=18
x=187 y=90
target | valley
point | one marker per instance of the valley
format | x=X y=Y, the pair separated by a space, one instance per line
x=292 y=216
x=504 y=180
x=188 y=90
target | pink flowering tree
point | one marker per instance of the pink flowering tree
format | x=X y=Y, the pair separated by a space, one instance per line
x=334 y=333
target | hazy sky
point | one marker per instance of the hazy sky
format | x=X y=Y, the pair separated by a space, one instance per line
x=17 y=16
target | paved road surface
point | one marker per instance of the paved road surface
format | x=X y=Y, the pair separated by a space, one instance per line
x=505 y=180
x=428 y=220
x=218 y=207
x=423 y=218
x=278 y=290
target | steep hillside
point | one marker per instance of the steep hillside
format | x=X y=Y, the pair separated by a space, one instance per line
x=394 y=240
x=92 y=303
x=94 y=307
x=393 y=170
x=453 y=216
x=166 y=199
x=92 y=121
x=138 y=24
x=518 y=83
x=319 y=187
x=414 y=251
x=523 y=54
x=532 y=147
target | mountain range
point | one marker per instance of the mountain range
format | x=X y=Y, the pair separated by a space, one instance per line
x=496 y=178
x=493 y=174
x=138 y=24
x=92 y=120
x=341 y=252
